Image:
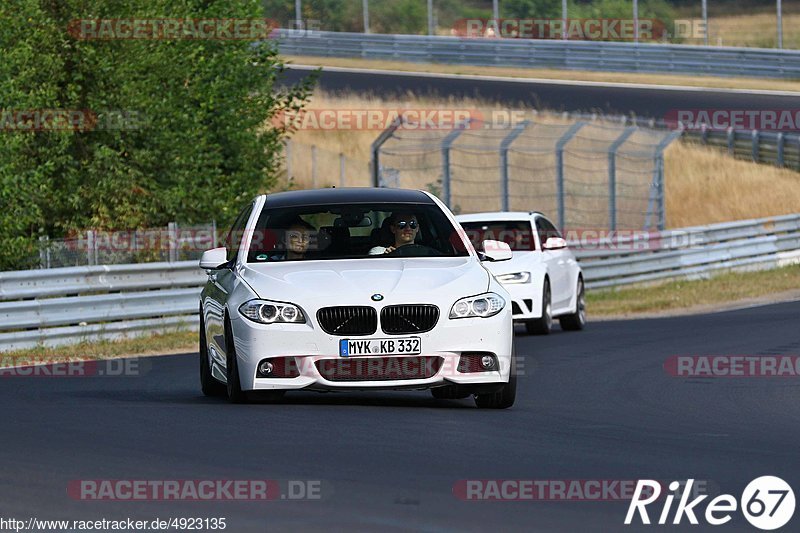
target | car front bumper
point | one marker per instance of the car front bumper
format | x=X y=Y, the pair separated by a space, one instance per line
x=309 y=344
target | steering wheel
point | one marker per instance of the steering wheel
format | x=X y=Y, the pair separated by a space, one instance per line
x=414 y=250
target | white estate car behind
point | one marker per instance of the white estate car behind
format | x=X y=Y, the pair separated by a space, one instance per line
x=354 y=289
x=543 y=277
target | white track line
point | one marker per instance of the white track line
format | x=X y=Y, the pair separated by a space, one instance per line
x=545 y=81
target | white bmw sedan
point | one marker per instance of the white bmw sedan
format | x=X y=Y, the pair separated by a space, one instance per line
x=345 y=289
x=544 y=279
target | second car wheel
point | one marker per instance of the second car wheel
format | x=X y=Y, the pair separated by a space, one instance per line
x=543 y=324
x=577 y=320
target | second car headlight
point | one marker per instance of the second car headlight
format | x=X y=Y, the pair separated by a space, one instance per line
x=516 y=277
x=267 y=312
x=483 y=305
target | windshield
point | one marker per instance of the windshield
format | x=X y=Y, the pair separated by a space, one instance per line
x=516 y=233
x=367 y=231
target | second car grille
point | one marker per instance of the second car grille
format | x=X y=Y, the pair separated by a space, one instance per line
x=417 y=318
x=348 y=320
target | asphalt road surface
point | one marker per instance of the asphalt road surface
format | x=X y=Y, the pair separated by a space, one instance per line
x=592 y=405
x=642 y=101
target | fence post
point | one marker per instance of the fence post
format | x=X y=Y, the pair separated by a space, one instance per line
x=731 y=141
x=755 y=146
x=44 y=251
x=172 y=236
x=90 y=247
x=447 y=142
x=375 y=151
x=504 y=146
x=341 y=170
x=612 y=175
x=289 y=161
x=657 y=185
x=562 y=142
x=780 y=142
x=313 y=166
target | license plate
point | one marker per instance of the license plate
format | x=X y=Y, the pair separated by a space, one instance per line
x=396 y=346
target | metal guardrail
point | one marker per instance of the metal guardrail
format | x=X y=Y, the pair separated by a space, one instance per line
x=696 y=252
x=558 y=54
x=69 y=305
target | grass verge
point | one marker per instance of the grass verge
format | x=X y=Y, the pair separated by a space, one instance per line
x=553 y=74
x=163 y=343
x=697 y=295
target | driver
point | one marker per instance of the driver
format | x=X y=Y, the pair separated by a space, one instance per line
x=404 y=227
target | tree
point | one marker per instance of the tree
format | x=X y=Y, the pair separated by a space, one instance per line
x=193 y=145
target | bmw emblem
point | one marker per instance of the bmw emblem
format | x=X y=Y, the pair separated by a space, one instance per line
x=377 y=297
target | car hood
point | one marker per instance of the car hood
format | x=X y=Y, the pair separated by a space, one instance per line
x=519 y=262
x=353 y=282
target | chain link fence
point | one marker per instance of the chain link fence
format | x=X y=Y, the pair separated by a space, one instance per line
x=92 y=247
x=309 y=166
x=589 y=174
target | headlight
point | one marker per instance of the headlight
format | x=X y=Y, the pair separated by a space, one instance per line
x=266 y=312
x=484 y=305
x=516 y=277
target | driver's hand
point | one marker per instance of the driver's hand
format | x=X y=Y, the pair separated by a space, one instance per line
x=389 y=250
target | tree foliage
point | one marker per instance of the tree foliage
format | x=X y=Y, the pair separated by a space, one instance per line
x=193 y=146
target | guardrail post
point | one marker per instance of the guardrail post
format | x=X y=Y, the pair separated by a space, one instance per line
x=447 y=143
x=375 y=151
x=779 y=156
x=504 y=146
x=560 y=144
x=612 y=175
x=755 y=145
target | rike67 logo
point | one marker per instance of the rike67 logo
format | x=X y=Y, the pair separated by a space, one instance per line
x=767 y=503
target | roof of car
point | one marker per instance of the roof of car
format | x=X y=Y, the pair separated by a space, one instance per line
x=497 y=215
x=346 y=195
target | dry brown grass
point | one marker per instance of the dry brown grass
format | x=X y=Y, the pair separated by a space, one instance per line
x=553 y=74
x=757 y=30
x=703 y=185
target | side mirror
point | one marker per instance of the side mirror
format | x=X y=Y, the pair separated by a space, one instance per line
x=214 y=258
x=496 y=251
x=555 y=243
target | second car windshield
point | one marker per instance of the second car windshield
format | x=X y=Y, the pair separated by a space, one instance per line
x=516 y=233
x=353 y=231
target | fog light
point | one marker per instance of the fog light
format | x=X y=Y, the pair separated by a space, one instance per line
x=487 y=362
x=265 y=368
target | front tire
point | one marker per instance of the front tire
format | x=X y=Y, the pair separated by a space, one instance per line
x=234 y=385
x=543 y=324
x=505 y=397
x=577 y=320
x=208 y=384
